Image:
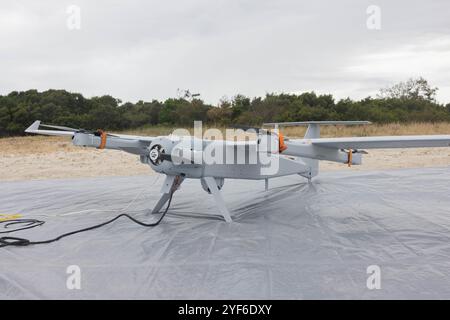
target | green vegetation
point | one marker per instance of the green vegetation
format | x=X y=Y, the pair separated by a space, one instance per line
x=411 y=101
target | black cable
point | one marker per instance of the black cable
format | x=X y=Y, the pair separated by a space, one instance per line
x=31 y=223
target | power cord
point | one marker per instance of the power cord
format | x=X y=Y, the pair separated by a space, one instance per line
x=32 y=223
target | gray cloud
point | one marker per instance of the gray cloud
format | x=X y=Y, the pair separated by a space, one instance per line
x=147 y=49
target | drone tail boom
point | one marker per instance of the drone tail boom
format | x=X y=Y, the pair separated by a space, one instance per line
x=97 y=139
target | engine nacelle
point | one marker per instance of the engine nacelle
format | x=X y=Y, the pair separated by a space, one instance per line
x=159 y=147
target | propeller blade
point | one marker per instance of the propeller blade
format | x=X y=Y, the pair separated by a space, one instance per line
x=165 y=156
x=185 y=156
x=355 y=151
x=245 y=128
x=112 y=135
x=177 y=159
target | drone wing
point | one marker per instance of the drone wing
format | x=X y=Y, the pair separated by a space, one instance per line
x=383 y=142
x=348 y=150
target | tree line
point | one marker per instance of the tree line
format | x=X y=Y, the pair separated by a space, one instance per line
x=410 y=101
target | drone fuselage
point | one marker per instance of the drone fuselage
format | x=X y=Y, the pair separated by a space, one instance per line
x=198 y=158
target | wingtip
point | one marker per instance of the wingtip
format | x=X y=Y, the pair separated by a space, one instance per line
x=33 y=127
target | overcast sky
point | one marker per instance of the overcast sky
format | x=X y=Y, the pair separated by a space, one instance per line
x=143 y=50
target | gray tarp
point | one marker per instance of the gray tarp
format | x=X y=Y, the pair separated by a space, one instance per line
x=294 y=241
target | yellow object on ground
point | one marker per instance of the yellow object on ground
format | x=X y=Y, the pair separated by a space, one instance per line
x=7 y=217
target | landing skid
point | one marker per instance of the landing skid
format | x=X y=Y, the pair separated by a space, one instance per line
x=175 y=181
x=169 y=183
x=212 y=185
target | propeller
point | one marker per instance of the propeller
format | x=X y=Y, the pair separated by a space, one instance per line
x=157 y=155
x=256 y=129
x=355 y=151
x=246 y=127
x=281 y=138
x=350 y=153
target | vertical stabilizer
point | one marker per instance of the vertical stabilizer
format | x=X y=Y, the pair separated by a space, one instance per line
x=313 y=132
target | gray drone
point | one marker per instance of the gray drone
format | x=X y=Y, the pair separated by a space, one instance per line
x=268 y=156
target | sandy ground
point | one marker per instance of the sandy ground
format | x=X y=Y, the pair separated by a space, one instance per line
x=53 y=157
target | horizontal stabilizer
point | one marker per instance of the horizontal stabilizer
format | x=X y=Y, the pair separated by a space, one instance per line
x=34 y=128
